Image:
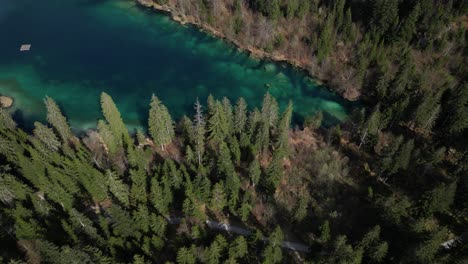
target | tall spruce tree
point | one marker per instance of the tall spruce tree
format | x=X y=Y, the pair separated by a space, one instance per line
x=57 y=120
x=160 y=123
x=240 y=116
x=113 y=118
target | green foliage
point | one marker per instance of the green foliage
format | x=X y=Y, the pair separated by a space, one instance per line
x=160 y=123
x=240 y=115
x=324 y=230
x=118 y=188
x=439 y=199
x=57 y=120
x=46 y=136
x=459 y=105
x=6 y=121
x=199 y=132
x=425 y=252
x=113 y=118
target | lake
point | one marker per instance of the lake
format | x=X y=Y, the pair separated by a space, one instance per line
x=83 y=47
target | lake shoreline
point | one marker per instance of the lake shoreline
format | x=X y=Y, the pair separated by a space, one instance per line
x=253 y=51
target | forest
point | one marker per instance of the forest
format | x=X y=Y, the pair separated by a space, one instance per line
x=387 y=186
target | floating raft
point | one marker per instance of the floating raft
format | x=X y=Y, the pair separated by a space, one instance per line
x=25 y=47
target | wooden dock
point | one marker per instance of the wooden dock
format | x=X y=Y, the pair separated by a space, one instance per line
x=25 y=47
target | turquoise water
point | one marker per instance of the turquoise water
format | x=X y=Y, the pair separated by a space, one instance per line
x=83 y=47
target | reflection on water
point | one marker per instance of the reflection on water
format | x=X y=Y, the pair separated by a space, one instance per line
x=81 y=48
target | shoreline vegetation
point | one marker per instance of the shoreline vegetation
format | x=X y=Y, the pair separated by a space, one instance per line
x=304 y=65
x=388 y=185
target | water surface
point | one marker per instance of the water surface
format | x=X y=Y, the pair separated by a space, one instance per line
x=83 y=47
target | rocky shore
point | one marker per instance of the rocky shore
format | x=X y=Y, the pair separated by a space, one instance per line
x=5 y=101
x=254 y=52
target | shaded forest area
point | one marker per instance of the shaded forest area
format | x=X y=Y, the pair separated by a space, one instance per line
x=387 y=186
x=110 y=196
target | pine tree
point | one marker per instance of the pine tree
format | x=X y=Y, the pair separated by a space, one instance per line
x=384 y=17
x=81 y=222
x=347 y=25
x=291 y=8
x=235 y=149
x=269 y=117
x=378 y=252
x=325 y=232
x=458 y=120
x=107 y=137
x=117 y=188
x=218 y=198
x=425 y=252
x=325 y=41
x=255 y=172
x=113 y=118
x=439 y=199
x=57 y=120
x=213 y=253
x=199 y=132
x=240 y=116
x=46 y=136
x=228 y=117
x=427 y=111
x=275 y=171
x=409 y=26
x=276 y=237
x=403 y=157
x=185 y=256
x=138 y=188
x=160 y=122
x=339 y=11
x=6 y=121
x=283 y=130
x=122 y=225
x=373 y=123
x=238 y=248
x=273 y=253
x=217 y=123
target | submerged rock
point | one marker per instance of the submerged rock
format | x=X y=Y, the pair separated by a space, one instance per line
x=5 y=101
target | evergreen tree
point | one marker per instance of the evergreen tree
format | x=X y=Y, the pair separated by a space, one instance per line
x=347 y=25
x=138 y=188
x=117 y=188
x=269 y=117
x=240 y=116
x=46 y=136
x=325 y=40
x=160 y=123
x=409 y=25
x=427 y=112
x=107 y=137
x=199 y=132
x=283 y=129
x=57 y=120
x=217 y=123
x=239 y=248
x=113 y=118
x=403 y=157
x=384 y=17
x=6 y=121
x=255 y=172
x=458 y=120
x=426 y=251
x=373 y=123
x=218 y=198
x=325 y=232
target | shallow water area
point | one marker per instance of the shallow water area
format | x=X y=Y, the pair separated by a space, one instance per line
x=83 y=47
